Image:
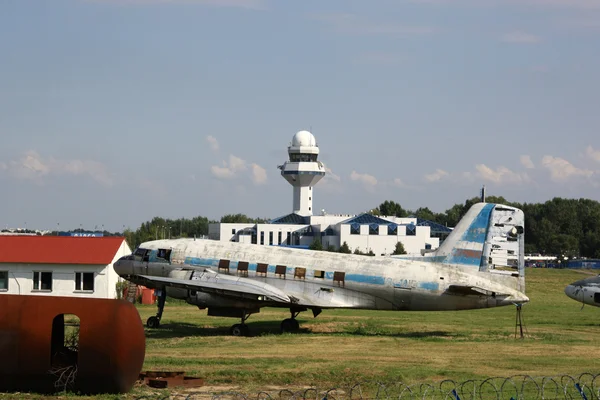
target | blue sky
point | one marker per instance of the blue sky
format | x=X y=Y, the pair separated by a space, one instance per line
x=115 y=111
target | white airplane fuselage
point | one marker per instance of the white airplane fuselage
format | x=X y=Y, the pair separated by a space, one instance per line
x=376 y=283
x=479 y=265
x=586 y=291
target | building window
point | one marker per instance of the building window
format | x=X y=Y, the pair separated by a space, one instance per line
x=42 y=281
x=320 y=274
x=233 y=231
x=355 y=229
x=270 y=238
x=374 y=229
x=84 y=281
x=262 y=238
x=289 y=238
x=279 y=237
x=3 y=280
x=392 y=229
x=411 y=230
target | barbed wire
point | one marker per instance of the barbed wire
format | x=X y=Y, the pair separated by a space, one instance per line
x=585 y=386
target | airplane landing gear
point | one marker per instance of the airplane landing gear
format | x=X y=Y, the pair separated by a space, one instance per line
x=290 y=324
x=154 y=321
x=241 y=329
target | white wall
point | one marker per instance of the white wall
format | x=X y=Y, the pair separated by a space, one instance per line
x=20 y=278
x=379 y=244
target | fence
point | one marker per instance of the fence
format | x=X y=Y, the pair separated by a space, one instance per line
x=517 y=387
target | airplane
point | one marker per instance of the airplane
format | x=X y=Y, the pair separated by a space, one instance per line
x=479 y=265
x=586 y=291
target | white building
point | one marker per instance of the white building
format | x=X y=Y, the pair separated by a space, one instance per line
x=364 y=232
x=60 y=265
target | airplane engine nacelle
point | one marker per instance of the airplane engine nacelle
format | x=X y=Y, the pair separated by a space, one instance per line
x=207 y=300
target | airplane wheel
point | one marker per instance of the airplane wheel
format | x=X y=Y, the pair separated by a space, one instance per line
x=153 y=322
x=289 y=325
x=240 y=330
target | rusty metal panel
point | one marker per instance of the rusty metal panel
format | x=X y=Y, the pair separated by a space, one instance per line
x=110 y=352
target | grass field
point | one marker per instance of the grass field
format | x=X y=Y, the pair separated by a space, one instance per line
x=342 y=347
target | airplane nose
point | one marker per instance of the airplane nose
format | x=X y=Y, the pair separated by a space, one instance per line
x=572 y=291
x=124 y=266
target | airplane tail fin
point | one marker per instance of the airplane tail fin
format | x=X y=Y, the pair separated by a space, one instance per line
x=490 y=237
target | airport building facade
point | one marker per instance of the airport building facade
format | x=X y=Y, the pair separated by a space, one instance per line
x=60 y=265
x=364 y=232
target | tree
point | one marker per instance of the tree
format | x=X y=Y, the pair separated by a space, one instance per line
x=316 y=245
x=391 y=208
x=344 y=248
x=399 y=249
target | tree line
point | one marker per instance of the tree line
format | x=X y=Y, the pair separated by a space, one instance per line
x=559 y=227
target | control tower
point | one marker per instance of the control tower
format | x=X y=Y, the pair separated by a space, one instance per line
x=303 y=171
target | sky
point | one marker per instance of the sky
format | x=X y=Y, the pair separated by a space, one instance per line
x=113 y=112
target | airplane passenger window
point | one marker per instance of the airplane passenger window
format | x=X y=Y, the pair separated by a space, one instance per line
x=300 y=273
x=280 y=271
x=242 y=268
x=338 y=277
x=224 y=265
x=261 y=269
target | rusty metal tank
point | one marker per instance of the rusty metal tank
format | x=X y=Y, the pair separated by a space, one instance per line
x=108 y=358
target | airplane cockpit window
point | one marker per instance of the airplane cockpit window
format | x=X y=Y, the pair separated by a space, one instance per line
x=141 y=254
x=164 y=255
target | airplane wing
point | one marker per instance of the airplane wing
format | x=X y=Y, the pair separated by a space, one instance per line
x=237 y=287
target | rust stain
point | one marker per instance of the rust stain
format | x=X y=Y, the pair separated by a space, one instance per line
x=467 y=253
x=110 y=352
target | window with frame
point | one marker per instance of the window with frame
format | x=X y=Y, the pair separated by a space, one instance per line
x=3 y=280
x=42 y=280
x=84 y=281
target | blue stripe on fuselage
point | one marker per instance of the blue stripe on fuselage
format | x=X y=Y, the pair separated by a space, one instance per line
x=358 y=278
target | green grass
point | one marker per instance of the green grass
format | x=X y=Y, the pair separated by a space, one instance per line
x=343 y=347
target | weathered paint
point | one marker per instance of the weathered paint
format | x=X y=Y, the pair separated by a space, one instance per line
x=111 y=346
x=387 y=283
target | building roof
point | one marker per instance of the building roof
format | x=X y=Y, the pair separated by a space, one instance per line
x=59 y=249
x=365 y=218
x=292 y=219
x=435 y=227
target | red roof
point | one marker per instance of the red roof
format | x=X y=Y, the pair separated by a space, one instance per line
x=58 y=249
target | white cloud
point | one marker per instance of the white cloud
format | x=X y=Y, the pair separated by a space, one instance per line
x=436 y=176
x=222 y=172
x=259 y=174
x=561 y=170
x=32 y=166
x=520 y=37
x=592 y=154
x=365 y=179
x=398 y=182
x=351 y=24
x=248 y=4
x=500 y=175
x=526 y=161
x=236 y=163
x=213 y=142
x=229 y=170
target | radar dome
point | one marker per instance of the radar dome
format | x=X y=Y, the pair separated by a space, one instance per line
x=304 y=139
